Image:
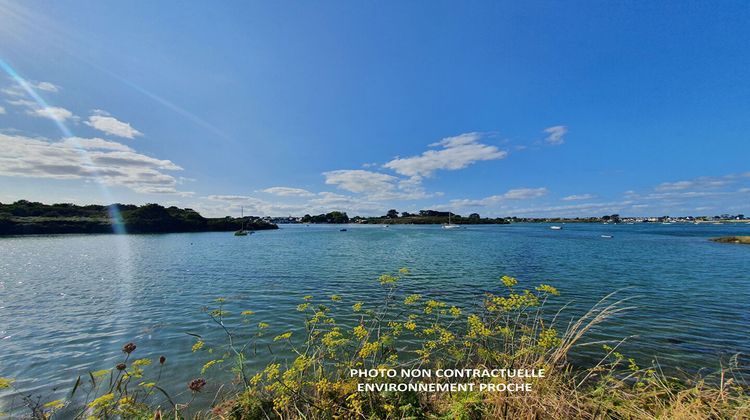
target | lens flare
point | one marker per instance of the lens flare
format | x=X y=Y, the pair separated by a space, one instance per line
x=114 y=212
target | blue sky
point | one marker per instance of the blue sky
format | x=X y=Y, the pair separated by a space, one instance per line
x=503 y=108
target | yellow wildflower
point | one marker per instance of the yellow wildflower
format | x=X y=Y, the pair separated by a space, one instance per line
x=141 y=362
x=477 y=327
x=103 y=401
x=360 y=332
x=509 y=281
x=55 y=405
x=209 y=364
x=411 y=299
x=284 y=336
x=387 y=279
x=548 y=338
x=368 y=349
x=546 y=288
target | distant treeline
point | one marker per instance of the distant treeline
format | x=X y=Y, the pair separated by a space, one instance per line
x=332 y=217
x=25 y=217
x=424 y=217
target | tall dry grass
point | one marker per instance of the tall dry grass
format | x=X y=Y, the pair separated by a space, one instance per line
x=309 y=377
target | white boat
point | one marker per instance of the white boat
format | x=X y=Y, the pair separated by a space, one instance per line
x=242 y=231
x=450 y=225
x=556 y=227
x=607 y=236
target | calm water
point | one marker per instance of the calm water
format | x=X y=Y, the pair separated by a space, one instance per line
x=68 y=303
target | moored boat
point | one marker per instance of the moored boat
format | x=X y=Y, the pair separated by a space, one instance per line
x=450 y=225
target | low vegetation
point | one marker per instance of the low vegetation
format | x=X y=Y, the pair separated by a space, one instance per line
x=424 y=217
x=733 y=239
x=429 y=217
x=26 y=217
x=309 y=375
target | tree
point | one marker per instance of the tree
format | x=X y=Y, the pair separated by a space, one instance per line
x=405 y=214
x=392 y=214
x=336 y=217
x=474 y=216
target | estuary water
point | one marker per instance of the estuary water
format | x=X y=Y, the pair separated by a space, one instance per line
x=68 y=303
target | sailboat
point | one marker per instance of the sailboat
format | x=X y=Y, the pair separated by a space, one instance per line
x=242 y=231
x=450 y=225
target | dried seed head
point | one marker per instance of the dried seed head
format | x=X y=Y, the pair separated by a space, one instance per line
x=121 y=366
x=196 y=384
x=162 y=359
x=128 y=348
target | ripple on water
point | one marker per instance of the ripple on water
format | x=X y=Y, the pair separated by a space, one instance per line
x=69 y=303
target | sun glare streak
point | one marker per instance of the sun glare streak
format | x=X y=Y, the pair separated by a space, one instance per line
x=123 y=270
x=114 y=213
x=164 y=102
x=29 y=22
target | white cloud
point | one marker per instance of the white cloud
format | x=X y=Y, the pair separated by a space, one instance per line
x=584 y=209
x=377 y=186
x=95 y=159
x=222 y=205
x=55 y=113
x=21 y=102
x=288 y=192
x=514 y=194
x=698 y=183
x=524 y=193
x=47 y=87
x=103 y=122
x=695 y=195
x=577 y=197
x=94 y=143
x=17 y=90
x=14 y=90
x=323 y=202
x=456 y=153
x=2 y=110
x=360 y=181
x=555 y=134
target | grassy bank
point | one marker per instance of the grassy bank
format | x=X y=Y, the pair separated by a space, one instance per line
x=310 y=375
